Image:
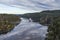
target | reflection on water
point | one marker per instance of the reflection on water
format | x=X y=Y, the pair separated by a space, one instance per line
x=26 y=31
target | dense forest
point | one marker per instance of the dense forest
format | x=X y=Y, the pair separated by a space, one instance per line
x=54 y=29
x=51 y=18
x=8 y=22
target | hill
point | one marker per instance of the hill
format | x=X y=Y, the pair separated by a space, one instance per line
x=43 y=17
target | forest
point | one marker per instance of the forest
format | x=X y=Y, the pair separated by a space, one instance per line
x=8 y=22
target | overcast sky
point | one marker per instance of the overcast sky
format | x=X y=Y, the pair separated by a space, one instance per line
x=25 y=6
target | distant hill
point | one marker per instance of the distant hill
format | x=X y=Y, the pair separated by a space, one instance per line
x=44 y=15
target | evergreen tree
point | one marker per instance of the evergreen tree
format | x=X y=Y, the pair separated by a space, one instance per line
x=54 y=29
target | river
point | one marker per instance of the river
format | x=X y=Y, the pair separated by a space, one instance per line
x=26 y=30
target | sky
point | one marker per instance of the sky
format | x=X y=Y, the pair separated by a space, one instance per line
x=28 y=6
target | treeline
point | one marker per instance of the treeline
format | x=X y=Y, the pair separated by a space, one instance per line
x=54 y=29
x=8 y=22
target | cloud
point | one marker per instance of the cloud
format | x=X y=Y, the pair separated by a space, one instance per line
x=35 y=5
x=10 y=10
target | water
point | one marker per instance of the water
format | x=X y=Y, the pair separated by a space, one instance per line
x=26 y=31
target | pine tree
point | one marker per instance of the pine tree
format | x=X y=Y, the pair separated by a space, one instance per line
x=54 y=29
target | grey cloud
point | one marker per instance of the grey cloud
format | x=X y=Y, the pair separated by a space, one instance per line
x=33 y=4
